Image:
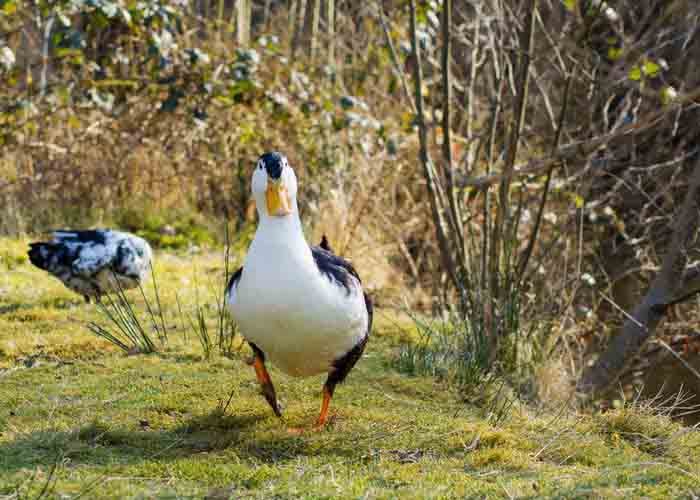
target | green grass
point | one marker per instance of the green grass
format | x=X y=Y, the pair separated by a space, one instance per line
x=79 y=417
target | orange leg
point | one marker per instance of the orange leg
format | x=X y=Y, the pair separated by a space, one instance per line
x=323 y=416
x=268 y=390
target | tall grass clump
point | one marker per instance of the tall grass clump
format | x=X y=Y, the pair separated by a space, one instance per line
x=226 y=329
x=140 y=327
x=126 y=327
x=223 y=333
x=451 y=348
x=488 y=226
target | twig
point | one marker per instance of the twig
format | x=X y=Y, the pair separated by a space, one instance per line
x=394 y=57
x=683 y=361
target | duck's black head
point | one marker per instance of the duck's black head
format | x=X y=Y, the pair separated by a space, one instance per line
x=273 y=162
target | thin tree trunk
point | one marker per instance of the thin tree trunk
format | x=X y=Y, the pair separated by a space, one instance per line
x=525 y=256
x=220 y=20
x=43 y=82
x=437 y=199
x=395 y=58
x=244 y=16
x=315 y=20
x=331 y=33
x=503 y=213
x=292 y=22
x=298 y=27
x=266 y=14
x=469 y=93
x=454 y=212
x=667 y=285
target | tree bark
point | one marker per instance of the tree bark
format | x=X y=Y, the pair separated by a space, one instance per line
x=330 y=28
x=503 y=216
x=668 y=284
x=315 y=20
x=454 y=214
x=435 y=194
x=244 y=17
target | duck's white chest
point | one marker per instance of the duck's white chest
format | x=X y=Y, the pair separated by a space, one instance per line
x=299 y=318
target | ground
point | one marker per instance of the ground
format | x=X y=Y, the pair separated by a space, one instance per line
x=79 y=417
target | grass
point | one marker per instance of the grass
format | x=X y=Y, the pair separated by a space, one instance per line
x=78 y=417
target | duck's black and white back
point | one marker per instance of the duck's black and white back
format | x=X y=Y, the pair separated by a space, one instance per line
x=301 y=306
x=87 y=262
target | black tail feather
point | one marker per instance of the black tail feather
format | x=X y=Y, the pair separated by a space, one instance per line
x=324 y=244
x=37 y=256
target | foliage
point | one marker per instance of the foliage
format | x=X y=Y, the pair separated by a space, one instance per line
x=135 y=112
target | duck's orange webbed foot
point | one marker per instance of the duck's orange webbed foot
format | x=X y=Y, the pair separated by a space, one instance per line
x=322 y=420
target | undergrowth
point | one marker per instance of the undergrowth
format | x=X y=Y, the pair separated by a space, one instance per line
x=131 y=326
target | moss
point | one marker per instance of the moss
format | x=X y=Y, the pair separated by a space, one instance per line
x=169 y=230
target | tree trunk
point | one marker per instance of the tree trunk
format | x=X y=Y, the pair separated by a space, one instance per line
x=435 y=193
x=315 y=20
x=299 y=22
x=330 y=19
x=666 y=287
x=244 y=17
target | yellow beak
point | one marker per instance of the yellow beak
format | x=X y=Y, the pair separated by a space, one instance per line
x=277 y=199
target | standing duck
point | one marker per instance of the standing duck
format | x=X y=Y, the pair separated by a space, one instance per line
x=88 y=262
x=299 y=306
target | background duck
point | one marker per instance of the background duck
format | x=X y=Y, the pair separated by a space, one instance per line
x=88 y=262
x=300 y=306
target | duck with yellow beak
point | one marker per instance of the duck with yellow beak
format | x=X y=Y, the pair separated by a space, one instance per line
x=299 y=306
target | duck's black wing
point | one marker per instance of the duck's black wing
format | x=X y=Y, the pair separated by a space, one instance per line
x=233 y=281
x=340 y=271
x=335 y=268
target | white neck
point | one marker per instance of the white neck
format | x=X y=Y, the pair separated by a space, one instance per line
x=280 y=236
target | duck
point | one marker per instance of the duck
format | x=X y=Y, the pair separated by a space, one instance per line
x=299 y=306
x=93 y=262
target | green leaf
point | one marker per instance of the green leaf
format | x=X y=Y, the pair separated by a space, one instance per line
x=65 y=20
x=668 y=94
x=61 y=53
x=73 y=56
x=578 y=200
x=635 y=74
x=8 y=7
x=73 y=122
x=116 y=83
x=570 y=4
x=226 y=101
x=650 y=68
x=614 y=53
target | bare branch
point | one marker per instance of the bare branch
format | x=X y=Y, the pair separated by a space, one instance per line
x=437 y=201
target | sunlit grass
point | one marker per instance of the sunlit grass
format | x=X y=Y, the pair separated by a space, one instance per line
x=153 y=425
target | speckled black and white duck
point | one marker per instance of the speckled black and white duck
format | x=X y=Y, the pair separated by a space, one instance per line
x=88 y=262
x=299 y=306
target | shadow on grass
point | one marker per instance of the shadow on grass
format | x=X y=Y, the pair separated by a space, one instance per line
x=99 y=444
x=52 y=303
